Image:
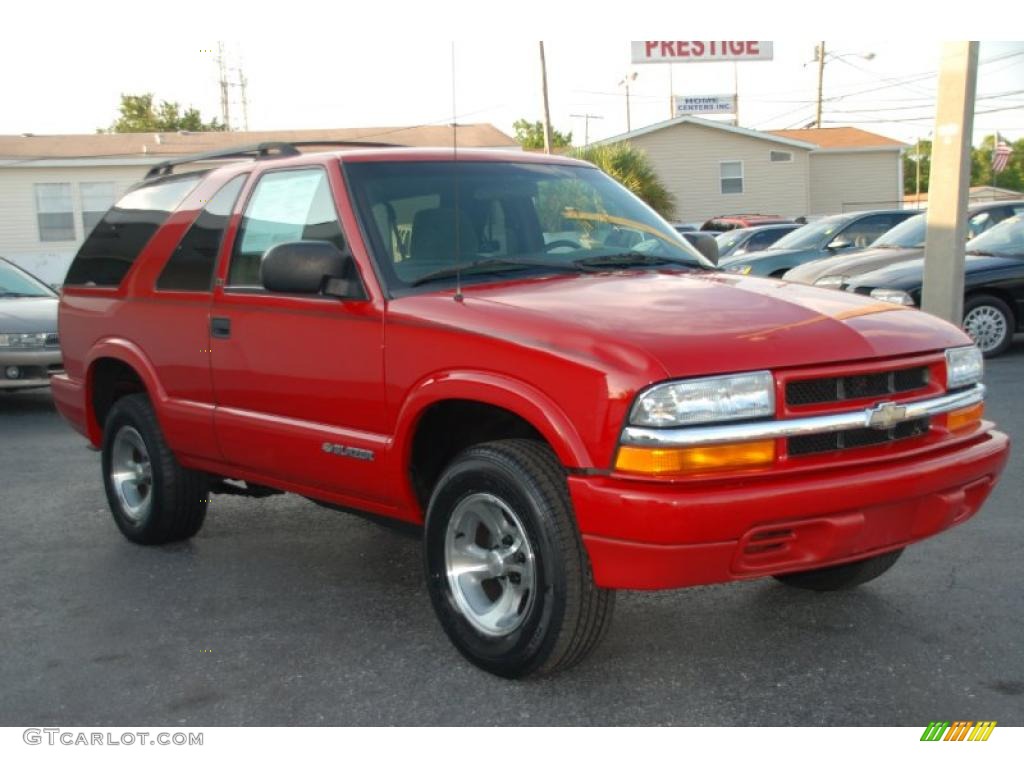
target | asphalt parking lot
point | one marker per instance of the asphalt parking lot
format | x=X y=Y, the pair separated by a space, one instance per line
x=283 y=613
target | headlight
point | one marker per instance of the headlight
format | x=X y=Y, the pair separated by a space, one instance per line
x=739 y=269
x=698 y=401
x=831 y=281
x=964 y=366
x=893 y=296
x=22 y=340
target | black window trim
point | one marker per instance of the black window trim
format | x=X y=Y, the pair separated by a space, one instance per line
x=216 y=262
x=258 y=290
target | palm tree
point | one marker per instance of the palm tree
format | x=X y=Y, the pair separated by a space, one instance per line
x=630 y=167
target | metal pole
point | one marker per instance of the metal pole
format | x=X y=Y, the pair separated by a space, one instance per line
x=821 y=80
x=628 y=126
x=949 y=182
x=917 y=197
x=671 y=96
x=547 y=114
x=735 y=93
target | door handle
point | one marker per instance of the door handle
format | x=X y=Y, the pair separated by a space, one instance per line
x=220 y=327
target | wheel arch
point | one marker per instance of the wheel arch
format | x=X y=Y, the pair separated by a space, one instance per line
x=114 y=368
x=528 y=410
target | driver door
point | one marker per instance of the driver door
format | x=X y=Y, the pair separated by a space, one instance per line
x=298 y=380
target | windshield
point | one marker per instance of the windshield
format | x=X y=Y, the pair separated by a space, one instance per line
x=15 y=283
x=502 y=221
x=727 y=240
x=1004 y=239
x=906 y=234
x=810 y=235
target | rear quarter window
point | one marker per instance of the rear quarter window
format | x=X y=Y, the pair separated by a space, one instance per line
x=116 y=242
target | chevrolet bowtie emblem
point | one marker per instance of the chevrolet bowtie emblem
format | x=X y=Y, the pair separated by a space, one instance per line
x=886 y=415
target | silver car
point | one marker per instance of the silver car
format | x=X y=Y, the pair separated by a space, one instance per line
x=29 y=346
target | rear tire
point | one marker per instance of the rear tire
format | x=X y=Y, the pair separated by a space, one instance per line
x=844 y=576
x=990 y=324
x=507 y=573
x=154 y=500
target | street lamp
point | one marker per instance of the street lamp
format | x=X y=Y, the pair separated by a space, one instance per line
x=821 y=56
x=625 y=82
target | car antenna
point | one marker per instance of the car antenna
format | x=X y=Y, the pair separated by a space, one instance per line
x=455 y=183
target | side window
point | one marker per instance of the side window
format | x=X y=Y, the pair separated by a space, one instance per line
x=864 y=232
x=116 y=242
x=762 y=239
x=286 y=206
x=190 y=267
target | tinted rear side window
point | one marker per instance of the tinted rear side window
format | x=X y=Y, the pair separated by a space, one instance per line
x=112 y=247
x=190 y=267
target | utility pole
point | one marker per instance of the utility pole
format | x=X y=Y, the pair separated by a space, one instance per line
x=821 y=81
x=671 y=94
x=243 y=83
x=949 y=182
x=626 y=81
x=225 y=109
x=587 y=117
x=547 y=113
x=917 y=197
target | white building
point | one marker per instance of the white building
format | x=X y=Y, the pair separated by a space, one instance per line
x=53 y=189
x=712 y=168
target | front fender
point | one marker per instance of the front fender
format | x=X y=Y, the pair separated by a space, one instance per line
x=519 y=397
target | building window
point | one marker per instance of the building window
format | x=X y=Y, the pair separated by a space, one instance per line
x=97 y=197
x=55 y=212
x=778 y=156
x=732 y=177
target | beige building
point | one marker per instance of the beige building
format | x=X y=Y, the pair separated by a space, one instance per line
x=53 y=189
x=714 y=169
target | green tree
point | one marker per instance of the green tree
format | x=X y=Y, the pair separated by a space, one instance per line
x=630 y=167
x=138 y=114
x=922 y=149
x=1011 y=177
x=531 y=135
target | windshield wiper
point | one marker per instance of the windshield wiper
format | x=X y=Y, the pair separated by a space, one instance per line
x=478 y=265
x=981 y=253
x=630 y=259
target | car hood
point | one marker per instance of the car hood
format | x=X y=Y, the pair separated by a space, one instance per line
x=852 y=263
x=686 y=324
x=28 y=315
x=767 y=253
x=908 y=275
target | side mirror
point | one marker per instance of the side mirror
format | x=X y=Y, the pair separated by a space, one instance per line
x=705 y=243
x=839 y=243
x=309 y=266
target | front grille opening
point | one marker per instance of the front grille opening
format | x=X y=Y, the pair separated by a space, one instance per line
x=836 y=389
x=768 y=541
x=856 y=438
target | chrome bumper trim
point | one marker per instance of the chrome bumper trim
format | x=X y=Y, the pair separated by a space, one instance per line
x=810 y=425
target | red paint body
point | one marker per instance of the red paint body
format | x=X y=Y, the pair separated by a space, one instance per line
x=565 y=353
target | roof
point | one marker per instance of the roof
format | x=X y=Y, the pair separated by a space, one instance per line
x=691 y=120
x=839 y=139
x=978 y=194
x=175 y=144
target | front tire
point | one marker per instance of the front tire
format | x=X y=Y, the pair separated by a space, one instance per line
x=846 y=576
x=990 y=324
x=154 y=500
x=507 y=573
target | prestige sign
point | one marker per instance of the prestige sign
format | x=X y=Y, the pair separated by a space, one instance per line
x=705 y=105
x=680 y=51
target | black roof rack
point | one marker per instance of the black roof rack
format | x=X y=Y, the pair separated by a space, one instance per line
x=266 y=149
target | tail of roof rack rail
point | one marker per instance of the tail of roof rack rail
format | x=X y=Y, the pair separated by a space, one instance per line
x=264 y=150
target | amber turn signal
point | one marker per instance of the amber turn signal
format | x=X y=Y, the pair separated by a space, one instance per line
x=660 y=462
x=965 y=417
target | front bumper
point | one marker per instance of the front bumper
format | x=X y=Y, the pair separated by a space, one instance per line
x=659 y=535
x=34 y=367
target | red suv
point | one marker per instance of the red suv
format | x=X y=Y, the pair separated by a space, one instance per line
x=516 y=355
x=742 y=220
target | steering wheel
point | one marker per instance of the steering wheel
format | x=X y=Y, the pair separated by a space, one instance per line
x=562 y=244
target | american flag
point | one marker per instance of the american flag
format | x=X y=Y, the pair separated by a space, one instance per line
x=1001 y=156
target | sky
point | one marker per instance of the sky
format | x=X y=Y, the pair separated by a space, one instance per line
x=347 y=72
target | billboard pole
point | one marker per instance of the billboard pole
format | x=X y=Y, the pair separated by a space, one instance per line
x=671 y=97
x=547 y=113
x=736 y=93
